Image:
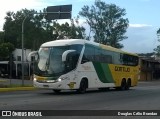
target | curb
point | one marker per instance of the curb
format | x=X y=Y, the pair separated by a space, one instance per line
x=17 y=89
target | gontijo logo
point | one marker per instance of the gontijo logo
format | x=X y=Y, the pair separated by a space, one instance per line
x=122 y=69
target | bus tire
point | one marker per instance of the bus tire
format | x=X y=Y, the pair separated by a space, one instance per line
x=56 y=91
x=128 y=84
x=123 y=84
x=83 y=86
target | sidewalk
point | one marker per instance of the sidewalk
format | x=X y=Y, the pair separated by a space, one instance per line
x=15 y=84
x=149 y=83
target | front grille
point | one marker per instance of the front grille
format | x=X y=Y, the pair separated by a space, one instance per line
x=45 y=81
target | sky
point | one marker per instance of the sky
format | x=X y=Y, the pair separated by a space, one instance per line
x=143 y=15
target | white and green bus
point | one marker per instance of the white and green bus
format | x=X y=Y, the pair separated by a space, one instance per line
x=76 y=64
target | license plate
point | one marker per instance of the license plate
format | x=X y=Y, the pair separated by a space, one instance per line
x=46 y=86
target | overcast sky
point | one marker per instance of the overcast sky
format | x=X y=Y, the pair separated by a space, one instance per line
x=143 y=17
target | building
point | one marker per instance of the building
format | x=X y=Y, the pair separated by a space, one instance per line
x=149 y=68
x=13 y=68
x=17 y=54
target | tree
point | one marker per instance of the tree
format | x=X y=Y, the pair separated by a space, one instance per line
x=157 y=50
x=106 y=23
x=36 y=29
x=1 y=37
x=65 y=30
x=6 y=49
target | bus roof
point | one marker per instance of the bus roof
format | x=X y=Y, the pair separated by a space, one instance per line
x=64 y=42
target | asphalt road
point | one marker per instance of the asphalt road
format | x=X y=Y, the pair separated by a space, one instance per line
x=146 y=96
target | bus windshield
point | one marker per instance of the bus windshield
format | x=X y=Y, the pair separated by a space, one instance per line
x=50 y=60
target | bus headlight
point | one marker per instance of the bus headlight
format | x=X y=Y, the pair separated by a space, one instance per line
x=59 y=80
x=35 y=79
x=62 y=78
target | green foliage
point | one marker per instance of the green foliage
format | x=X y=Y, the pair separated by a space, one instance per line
x=1 y=37
x=6 y=49
x=157 y=50
x=146 y=54
x=158 y=31
x=37 y=29
x=106 y=22
x=65 y=30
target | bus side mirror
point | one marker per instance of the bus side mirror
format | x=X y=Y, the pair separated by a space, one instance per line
x=65 y=54
x=34 y=53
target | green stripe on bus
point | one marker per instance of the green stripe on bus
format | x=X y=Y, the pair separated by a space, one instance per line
x=103 y=72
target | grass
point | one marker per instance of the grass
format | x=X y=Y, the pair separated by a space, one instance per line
x=2 y=80
x=6 y=84
x=14 y=85
x=19 y=85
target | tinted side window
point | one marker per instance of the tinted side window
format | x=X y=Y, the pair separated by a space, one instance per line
x=88 y=54
x=106 y=57
x=103 y=56
x=129 y=60
x=97 y=55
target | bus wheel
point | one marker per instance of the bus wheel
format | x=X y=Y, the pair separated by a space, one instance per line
x=123 y=84
x=56 y=90
x=128 y=84
x=83 y=86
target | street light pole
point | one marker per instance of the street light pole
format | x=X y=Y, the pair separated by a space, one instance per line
x=23 y=51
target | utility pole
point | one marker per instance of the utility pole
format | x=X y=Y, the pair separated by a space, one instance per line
x=23 y=50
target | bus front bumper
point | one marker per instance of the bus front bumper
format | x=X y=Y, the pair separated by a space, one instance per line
x=64 y=84
x=50 y=85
